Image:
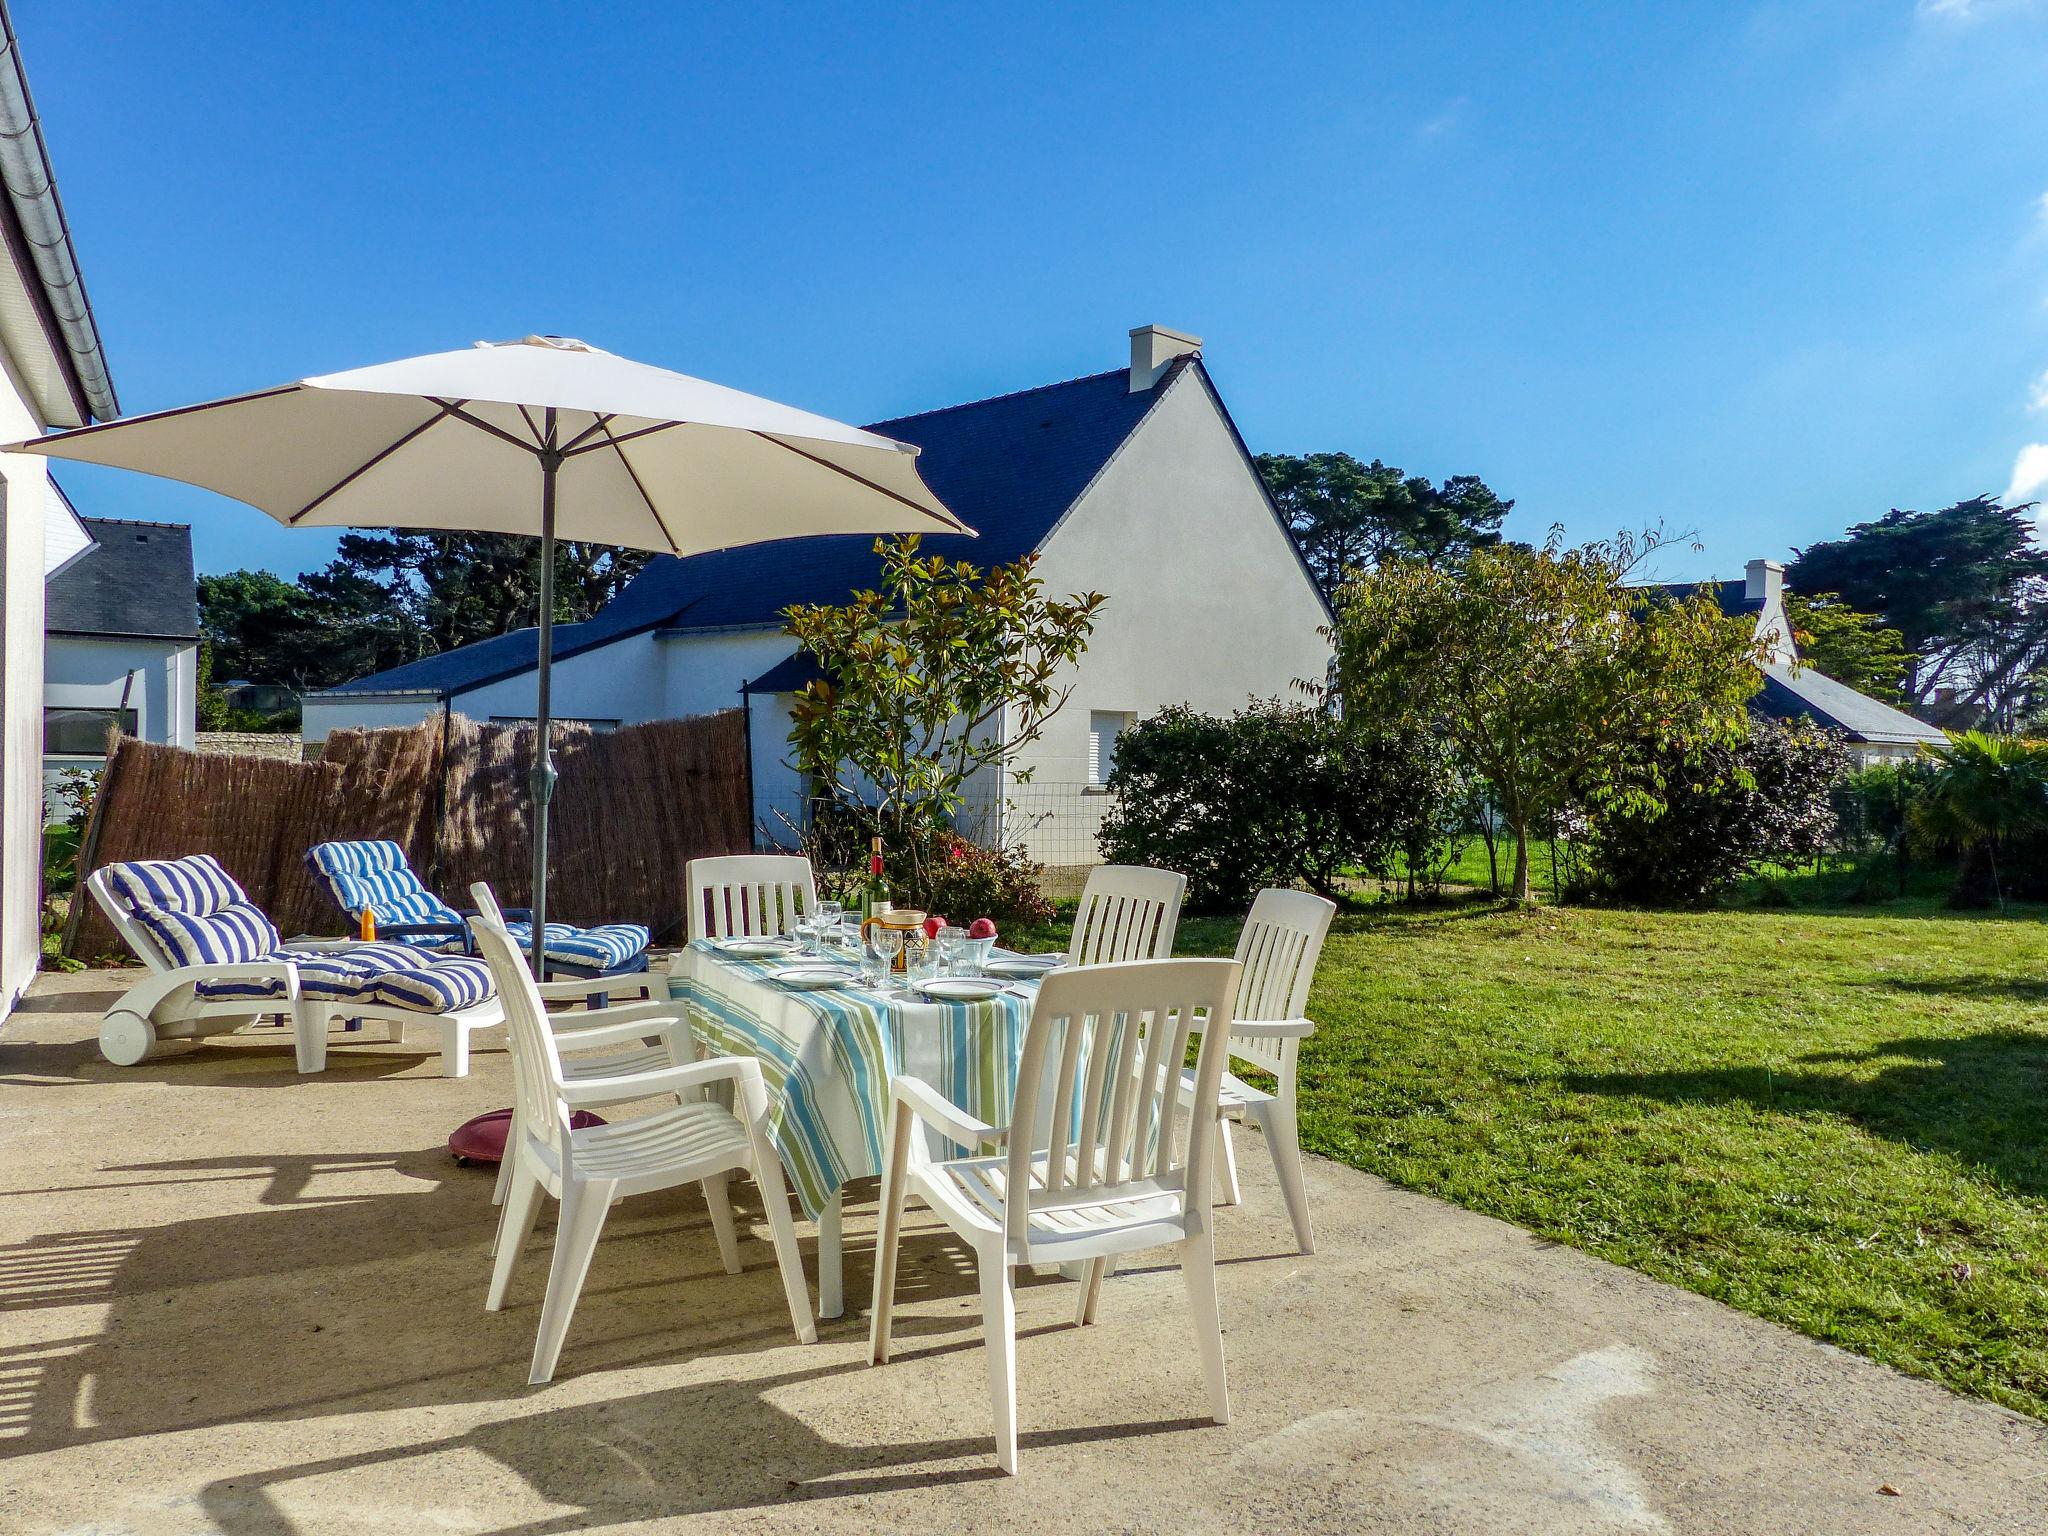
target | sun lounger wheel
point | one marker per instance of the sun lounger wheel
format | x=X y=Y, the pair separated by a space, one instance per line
x=125 y=1038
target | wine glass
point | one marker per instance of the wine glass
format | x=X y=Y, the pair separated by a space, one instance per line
x=830 y=915
x=888 y=944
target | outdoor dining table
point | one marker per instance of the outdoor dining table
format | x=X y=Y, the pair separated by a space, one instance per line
x=827 y=1057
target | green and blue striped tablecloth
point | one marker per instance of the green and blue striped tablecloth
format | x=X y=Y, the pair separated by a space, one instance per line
x=827 y=1058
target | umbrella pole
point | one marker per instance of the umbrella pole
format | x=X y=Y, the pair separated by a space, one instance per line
x=543 y=778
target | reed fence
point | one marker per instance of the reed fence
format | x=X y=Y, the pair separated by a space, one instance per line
x=632 y=808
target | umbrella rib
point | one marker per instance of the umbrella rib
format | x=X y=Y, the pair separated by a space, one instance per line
x=623 y=437
x=180 y=410
x=603 y=419
x=372 y=462
x=634 y=475
x=837 y=469
x=454 y=408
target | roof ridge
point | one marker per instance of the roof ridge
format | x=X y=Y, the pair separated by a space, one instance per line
x=130 y=522
x=1015 y=394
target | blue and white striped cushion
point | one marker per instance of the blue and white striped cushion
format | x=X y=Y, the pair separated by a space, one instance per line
x=599 y=948
x=337 y=976
x=377 y=877
x=235 y=933
x=197 y=885
x=441 y=987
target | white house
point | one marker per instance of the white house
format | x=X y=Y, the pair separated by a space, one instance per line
x=121 y=639
x=52 y=374
x=1133 y=483
x=1874 y=730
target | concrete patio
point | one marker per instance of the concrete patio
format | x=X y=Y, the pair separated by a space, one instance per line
x=239 y=1300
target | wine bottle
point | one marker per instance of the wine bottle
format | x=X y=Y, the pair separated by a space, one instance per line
x=874 y=896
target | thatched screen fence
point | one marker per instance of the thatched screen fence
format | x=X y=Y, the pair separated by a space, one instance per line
x=632 y=808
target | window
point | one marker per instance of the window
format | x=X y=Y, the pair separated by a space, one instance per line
x=82 y=732
x=1104 y=726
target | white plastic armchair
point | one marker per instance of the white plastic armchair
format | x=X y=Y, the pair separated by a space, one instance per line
x=1101 y=1070
x=1282 y=940
x=692 y=1142
x=749 y=895
x=1127 y=912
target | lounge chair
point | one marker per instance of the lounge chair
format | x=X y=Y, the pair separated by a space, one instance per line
x=217 y=965
x=377 y=877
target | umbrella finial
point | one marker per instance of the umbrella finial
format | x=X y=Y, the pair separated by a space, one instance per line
x=558 y=343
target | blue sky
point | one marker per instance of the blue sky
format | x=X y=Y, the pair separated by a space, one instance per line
x=1759 y=271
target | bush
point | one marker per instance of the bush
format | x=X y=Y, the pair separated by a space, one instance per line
x=965 y=881
x=1767 y=799
x=1273 y=795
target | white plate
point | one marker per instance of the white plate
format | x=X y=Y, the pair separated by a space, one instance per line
x=1024 y=967
x=959 y=989
x=815 y=978
x=756 y=949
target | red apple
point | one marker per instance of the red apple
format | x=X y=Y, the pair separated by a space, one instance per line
x=982 y=929
x=932 y=925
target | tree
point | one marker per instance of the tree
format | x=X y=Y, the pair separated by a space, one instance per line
x=1963 y=586
x=1550 y=678
x=941 y=671
x=1850 y=646
x=1347 y=516
x=1985 y=793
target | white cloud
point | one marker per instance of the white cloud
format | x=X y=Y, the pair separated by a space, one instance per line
x=2029 y=475
x=1957 y=10
x=1446 y=120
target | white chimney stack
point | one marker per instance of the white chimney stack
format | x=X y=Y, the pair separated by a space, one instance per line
x=1153 y=347
x=1763 y=581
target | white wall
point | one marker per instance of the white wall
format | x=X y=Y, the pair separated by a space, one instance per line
x=368 y=711
x=1208 y=605
x=83 y=672
x=23 y=497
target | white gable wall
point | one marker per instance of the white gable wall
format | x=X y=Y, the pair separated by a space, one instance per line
x=24 y=498
x=1208 y=605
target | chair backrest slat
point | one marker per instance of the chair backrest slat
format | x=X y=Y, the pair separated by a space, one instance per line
x=749 y=895
x=1282 y=940
x=1122 y=1031
x=1127 y=912
x=536 y=1064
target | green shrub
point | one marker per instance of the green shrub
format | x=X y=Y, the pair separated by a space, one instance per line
x=1729 y=811
x=964 y=881
x=1274 y=795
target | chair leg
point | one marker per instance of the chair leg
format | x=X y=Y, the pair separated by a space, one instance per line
x=999 y=1331
x=782 y=1230
x=1198 y=1269
x=515 y=1226
x=309 y=1036
x=717 y=1197
x=454 y=1049
x=1093 y=1272
x=889 y=1238
x=1226 y=1164
x=505 y=1163
x=1283 y=1140
x=584 y=1208
x=394 y=1031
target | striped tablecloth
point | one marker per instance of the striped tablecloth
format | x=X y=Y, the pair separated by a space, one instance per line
x=827 y=1058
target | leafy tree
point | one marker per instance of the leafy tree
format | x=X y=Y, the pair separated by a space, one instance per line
x=1963 y=586
x=1348 y=516
x=1550 y=678
x=1274 y=794
x=1986 y=793
x=1765 y=798
x=1851 y=647
x=934 y=676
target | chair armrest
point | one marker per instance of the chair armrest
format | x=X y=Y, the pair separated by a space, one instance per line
x=919 y=1098
x=637 y=1085
x=648 y=1010
x=573 y=989
x=1273 y=1029
x=628 y=1032
x=401 y=930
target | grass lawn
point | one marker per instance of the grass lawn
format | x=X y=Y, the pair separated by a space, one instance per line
x=1836 y=1121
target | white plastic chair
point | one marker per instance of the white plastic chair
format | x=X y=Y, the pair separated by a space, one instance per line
x=749 y=895
x=1282 y=940
x=1100 y=1069
x=1127 y=912
x=690 y=1143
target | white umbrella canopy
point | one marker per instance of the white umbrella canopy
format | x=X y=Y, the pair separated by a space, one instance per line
x=543 y=436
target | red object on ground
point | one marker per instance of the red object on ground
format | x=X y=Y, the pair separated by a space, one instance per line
x=482 y=1140
x=982 y=929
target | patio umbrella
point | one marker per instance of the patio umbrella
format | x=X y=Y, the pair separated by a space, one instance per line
x=540 y=436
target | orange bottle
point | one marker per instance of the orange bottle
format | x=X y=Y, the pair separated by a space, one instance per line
x=369 y=925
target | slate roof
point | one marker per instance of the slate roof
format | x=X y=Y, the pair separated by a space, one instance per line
x=136 y=581
x=1807 y=694
x=1010 y=467
x=789 y=674
x=1733 y=596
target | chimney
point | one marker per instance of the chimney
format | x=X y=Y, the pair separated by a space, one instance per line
x=1153 y=347
x=1763 y=581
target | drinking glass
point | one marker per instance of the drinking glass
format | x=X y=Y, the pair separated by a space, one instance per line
x=974 y=955
x=874 y=965
x=829 y=913
x=921 y=960
x=952 y=947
